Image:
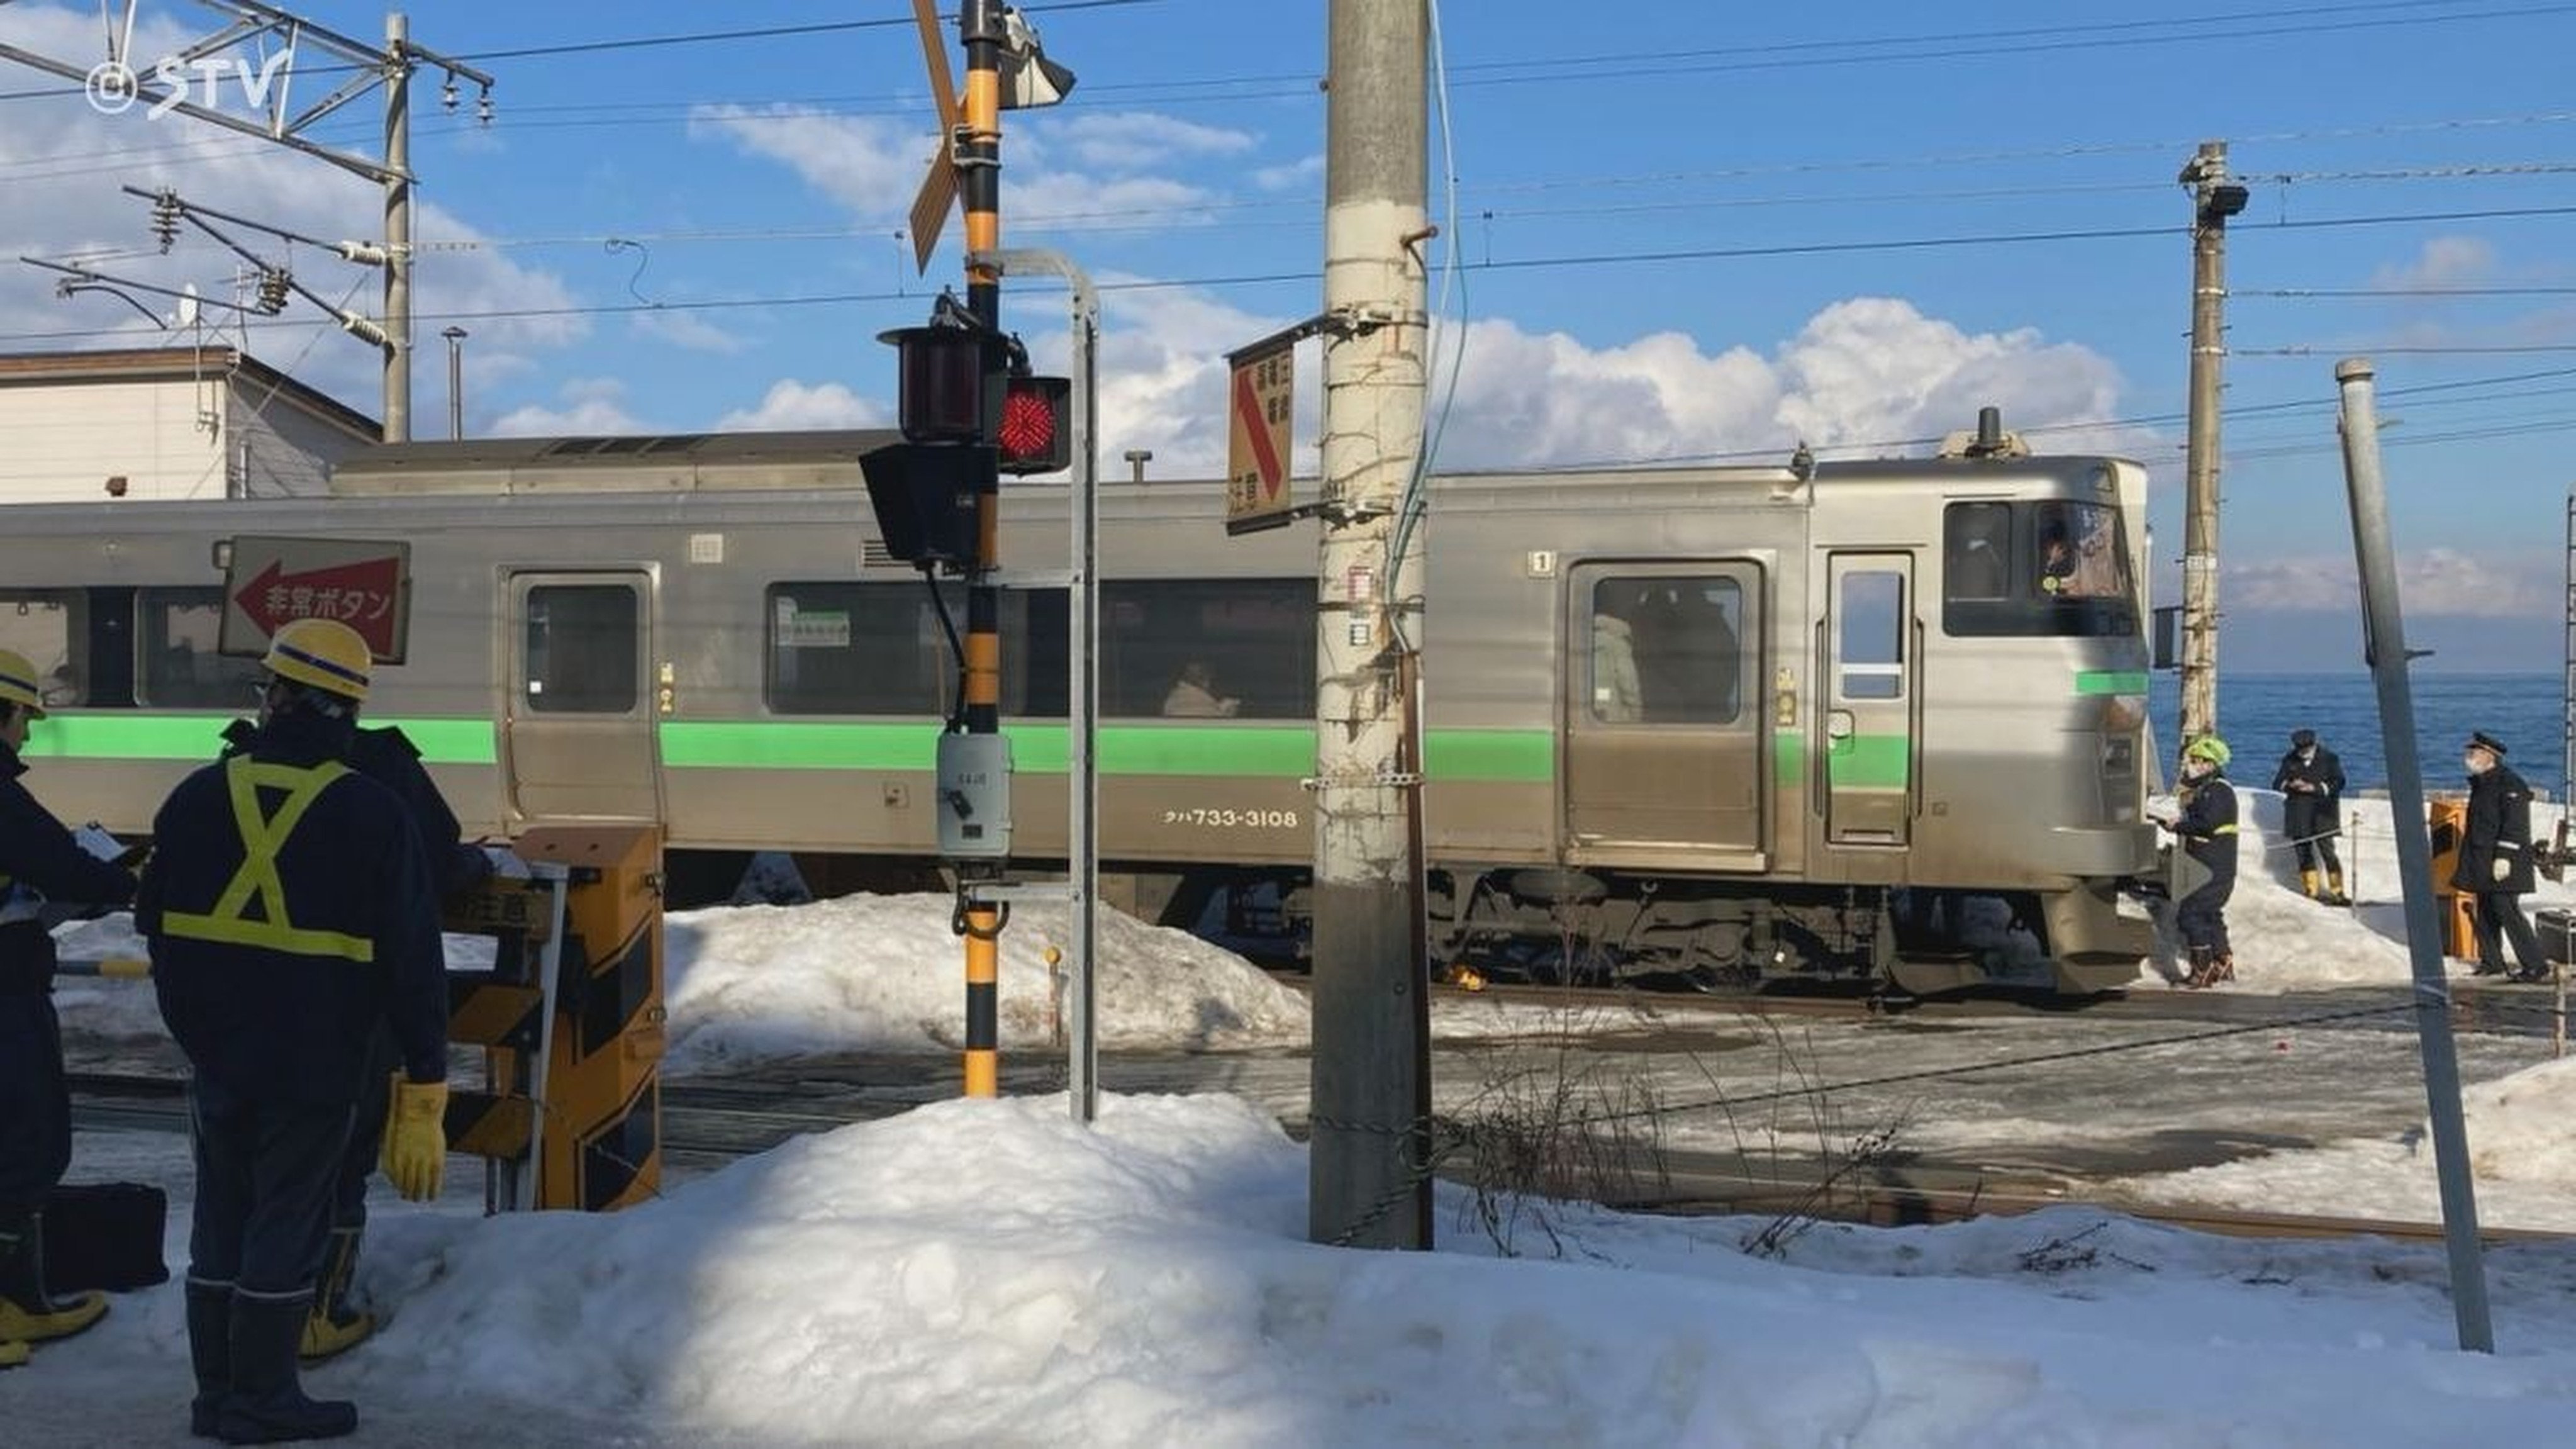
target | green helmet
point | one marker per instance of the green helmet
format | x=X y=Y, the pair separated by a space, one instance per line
x=2207 y=747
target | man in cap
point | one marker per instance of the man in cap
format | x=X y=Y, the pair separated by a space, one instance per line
x=2311 y=784
x=290 y=909
x=38 y=859
x=2495 y=858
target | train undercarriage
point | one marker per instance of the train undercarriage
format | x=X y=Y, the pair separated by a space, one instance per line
x=1558 y=926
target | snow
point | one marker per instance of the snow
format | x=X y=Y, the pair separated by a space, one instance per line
x=993 y=1272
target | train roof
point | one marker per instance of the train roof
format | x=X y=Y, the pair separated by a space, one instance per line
x=665 y=462
x=829 y=460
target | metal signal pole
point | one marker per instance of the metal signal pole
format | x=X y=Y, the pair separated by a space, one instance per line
x=979 y=161
x=2214 y=199
x=1370 y=1129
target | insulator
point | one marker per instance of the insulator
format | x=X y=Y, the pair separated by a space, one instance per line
x=483 y=108
x=165 y=219
x=447 y=94
x=272 y=290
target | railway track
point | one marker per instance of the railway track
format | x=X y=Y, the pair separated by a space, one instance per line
x=706 y=1125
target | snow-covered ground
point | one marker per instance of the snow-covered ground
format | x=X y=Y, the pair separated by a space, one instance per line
x=991 y=1272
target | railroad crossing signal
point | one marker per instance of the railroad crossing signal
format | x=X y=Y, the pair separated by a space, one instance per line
x=1029 y=80
x=1037 y=425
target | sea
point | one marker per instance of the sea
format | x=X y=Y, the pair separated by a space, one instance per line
x=2256 y=712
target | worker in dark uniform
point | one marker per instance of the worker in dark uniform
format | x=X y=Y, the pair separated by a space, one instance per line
x=2311 y=784
x=2206 y=825
x=2495 y=858
x=289 y=911
x=387 y=756
x=39 y=859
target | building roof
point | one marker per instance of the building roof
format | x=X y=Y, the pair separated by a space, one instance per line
x=162 y=364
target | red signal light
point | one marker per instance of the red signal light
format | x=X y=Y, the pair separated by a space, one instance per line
x=1036 y=429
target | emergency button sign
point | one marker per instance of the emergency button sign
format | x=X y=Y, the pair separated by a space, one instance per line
x=271 y=582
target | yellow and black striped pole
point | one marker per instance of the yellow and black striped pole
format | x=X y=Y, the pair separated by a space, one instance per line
x=979 y=162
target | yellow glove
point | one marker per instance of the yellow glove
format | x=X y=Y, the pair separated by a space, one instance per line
x=415 y=1152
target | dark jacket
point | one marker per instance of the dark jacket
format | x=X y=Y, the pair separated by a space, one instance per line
x=2324 y=772
x=270 y=1023
x=2207 y=824
x=2499 y=824
x=39 y=860
x=387 y=756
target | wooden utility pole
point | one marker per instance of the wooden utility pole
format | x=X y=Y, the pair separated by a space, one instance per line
x=2214 y=199
x=1370 y=1112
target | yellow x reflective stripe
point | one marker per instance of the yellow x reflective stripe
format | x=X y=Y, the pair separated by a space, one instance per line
x=262 y=838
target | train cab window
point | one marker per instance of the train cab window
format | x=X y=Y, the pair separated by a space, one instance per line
x=51 y=628
x=1869 y=640
x=581 y=648
x=2050 y=567
x=176 y=666
x=1667 y=649
x=1208 y=648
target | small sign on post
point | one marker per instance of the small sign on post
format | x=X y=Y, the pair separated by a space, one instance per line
x=1260 y=408
x=271 y=582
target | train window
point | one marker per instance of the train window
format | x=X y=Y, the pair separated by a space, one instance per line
x=581 y=649
x=175 y=665
x=50 y=627
x=2041 y=568
x=1208 y=648
x=844 y=648
x=1667 y=649
x=1869 y=640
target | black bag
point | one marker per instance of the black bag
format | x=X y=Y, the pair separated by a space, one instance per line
x=105 y=1235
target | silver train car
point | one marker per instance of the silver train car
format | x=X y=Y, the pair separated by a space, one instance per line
x=1873 y=722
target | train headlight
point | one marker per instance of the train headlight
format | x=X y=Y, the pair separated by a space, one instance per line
x=2122 y=713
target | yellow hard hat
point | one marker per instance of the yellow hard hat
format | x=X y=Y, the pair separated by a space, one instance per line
x=324 y=653
x=18 y=684
x=2207 y=747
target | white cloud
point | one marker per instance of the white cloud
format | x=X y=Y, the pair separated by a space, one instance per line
x=1123 y=141
x=868 y=165
x=593 y=407
x=791 y=406
x=687 y=329
x=1301 y=173
x=2445 y=261
x=2434 y=581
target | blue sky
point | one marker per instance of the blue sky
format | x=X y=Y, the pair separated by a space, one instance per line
x=1851 y=224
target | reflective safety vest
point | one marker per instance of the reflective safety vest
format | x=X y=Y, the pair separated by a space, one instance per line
x=262 y=838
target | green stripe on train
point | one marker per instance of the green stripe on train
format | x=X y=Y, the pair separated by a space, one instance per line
x=1281 y=751
x=2110 y=681
x=126 y=736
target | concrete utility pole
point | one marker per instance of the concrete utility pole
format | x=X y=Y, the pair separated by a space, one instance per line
x=397 y=321
x=1370 y=1184
x=2214 y=199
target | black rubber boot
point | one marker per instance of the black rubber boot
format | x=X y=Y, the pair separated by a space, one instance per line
x=210 y=1352
x=267 y=1404
x=27 y=1312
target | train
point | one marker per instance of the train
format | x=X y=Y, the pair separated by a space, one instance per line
x=1878 y=722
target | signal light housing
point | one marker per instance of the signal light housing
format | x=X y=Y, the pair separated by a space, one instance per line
x=1035 y=434
x=924 y=497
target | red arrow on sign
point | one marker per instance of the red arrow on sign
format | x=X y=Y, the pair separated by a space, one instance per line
x=1256 y=427
x=360 y=595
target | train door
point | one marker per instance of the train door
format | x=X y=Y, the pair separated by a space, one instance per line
x=1872 y=649
x=1664 y=748
x=577 y=724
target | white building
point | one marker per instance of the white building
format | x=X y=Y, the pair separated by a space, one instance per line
x=166 y=422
